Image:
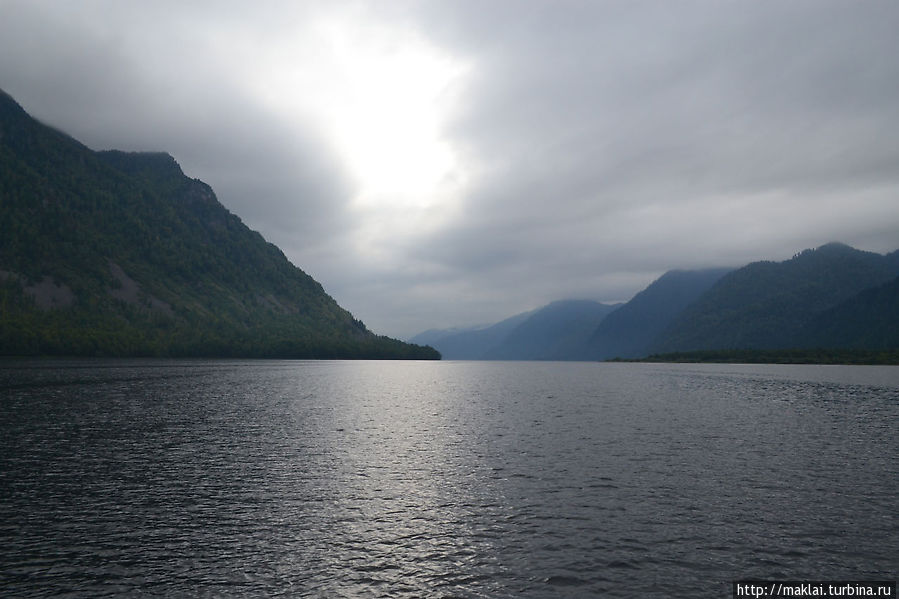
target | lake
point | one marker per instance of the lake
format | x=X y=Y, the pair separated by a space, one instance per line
x=442 y=479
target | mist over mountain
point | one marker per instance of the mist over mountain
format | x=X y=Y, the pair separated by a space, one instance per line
x=630 y=331
x=832 y=297
x=116 y=253
x=471 y=343
x=120 y=253
x=556 y=331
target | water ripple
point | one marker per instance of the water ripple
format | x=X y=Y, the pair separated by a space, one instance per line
x=407 y=479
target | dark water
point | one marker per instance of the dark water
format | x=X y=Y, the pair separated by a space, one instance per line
x=453 y=479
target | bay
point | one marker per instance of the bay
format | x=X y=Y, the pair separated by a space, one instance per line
x=442 y=479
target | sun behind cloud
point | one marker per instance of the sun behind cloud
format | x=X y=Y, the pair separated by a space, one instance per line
x=380 y=93
x=387 y=117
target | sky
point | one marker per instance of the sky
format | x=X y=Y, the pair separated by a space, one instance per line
x=451 y=163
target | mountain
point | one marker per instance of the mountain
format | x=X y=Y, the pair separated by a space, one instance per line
x=770 y=305
x=472 y=343
x=556 y=331
x=431 y=336
x=869 y=320
x=115 y=253
x=629 y=331
x=834 y=297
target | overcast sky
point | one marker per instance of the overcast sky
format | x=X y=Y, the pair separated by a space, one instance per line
x=436 y=164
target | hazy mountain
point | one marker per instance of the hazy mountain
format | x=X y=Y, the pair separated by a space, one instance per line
x=430 y=336
x=629 y=331
x=769 y=305
x=472 y=343
x=833 y=297
x=118 y=253
x=557 y=331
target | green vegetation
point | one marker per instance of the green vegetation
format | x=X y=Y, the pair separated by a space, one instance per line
x=772 y=356
x=121 y=254
x=631 y=330
x=773 y=305
x=833 y=297
x=867 y=320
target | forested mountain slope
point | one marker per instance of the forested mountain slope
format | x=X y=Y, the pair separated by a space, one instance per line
x=113 y=253
x=630 y=331
x=834 y=297
x=770 y=305
x=869 y=320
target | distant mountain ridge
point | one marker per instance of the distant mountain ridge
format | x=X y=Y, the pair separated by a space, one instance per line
x=833 y=297
x=119 y=253
x=472 y=343
x=556 y=331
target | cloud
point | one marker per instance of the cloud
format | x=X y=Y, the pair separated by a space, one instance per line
x=116 y=76
x=639 y=137
x=586 y=146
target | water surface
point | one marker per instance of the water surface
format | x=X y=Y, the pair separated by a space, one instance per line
x=442 y=479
